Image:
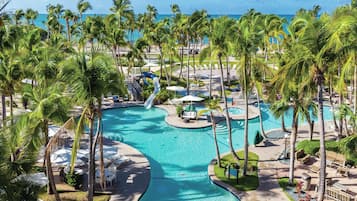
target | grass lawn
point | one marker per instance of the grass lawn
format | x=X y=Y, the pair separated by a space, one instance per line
x=71 y=195
x=245 y=183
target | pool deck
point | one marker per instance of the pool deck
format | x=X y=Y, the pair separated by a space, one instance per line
x=133 y=178
x=270 y=170
x=173 y=120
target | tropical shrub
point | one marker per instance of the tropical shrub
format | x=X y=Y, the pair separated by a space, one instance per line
x=258 y=138
x=74 y=180
x=179 y=110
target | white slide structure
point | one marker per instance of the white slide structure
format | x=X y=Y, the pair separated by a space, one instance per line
x=149 y=101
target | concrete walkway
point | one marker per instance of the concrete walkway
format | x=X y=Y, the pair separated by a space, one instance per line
x=133 y=178
x=268 y=167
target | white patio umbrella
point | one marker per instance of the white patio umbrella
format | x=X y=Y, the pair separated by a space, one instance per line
x=191 y=98
x=175 y=88
x=39 y=179
x=150 y=64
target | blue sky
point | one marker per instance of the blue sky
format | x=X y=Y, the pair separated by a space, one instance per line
x=188 y=6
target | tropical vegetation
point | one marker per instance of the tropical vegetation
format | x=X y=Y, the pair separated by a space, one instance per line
x=77 y=60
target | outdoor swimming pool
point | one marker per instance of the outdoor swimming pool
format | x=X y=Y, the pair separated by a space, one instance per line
x=235 y=110
x=178 y=157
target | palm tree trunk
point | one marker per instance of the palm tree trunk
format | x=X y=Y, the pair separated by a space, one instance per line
x=228 y=121
x=210 y=74
x=11 y=110
x=245 y=91
x=261 y=118
x=340 y=101
x=193 y=61
x=3 y=103
x=51 y=187
x=188 y=70
x=181 y=63
x=322 y=176
x=91 y=164
x=160 y=49
x=355 y=94
x=68 y=30
x=228 y=72
x=117 y=50
x=332 y=104
x=292 y=147
x=215 y=140
x=283 y=123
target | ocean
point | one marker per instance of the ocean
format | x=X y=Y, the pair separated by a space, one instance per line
x=42 y=18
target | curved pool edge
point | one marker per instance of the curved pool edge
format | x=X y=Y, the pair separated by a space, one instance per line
x=215 y=180
x=133 y=178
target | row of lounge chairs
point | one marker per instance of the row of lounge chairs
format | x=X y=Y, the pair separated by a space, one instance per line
x=214 y=67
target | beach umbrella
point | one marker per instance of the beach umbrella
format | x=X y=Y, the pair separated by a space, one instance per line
x=39 y=179
x=175 y=88
x=191 y=98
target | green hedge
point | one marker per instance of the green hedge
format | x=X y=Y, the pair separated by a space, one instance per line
x=311 y=147
x=346 y=146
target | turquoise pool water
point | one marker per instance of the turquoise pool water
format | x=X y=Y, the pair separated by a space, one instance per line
x=235 y=110
x=178 y=157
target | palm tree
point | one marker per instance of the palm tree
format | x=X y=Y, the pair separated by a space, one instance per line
x=19 y=14
x=113 y=39
x=47 y=105
x=246 y=40
x=220 y=48
x=297 y=96
x=213 y=105
x=311 y=32
x=30 y=16
x=179 y=23
x=68 y=15
x=90 y=80
x=82 y=7
x=18 y=155
x=123 y=11
x=10 y=66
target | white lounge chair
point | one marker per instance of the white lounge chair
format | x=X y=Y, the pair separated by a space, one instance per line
x=189 y=115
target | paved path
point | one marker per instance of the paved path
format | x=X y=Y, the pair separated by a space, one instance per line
x=132 y=179
x=268 y=167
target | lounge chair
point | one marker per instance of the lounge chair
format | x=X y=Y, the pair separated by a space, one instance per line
x=189 y=115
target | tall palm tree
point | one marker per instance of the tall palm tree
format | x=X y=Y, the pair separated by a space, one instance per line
x=213 y=105
x=19 y=14
x=90 y=80
x=220 y=48
x=47 y=105
x=68 y=16
x=10 y=66
x=312 y=34
x=246 y=41
x=82 y=7
x=113 y=39
x=30 y=16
